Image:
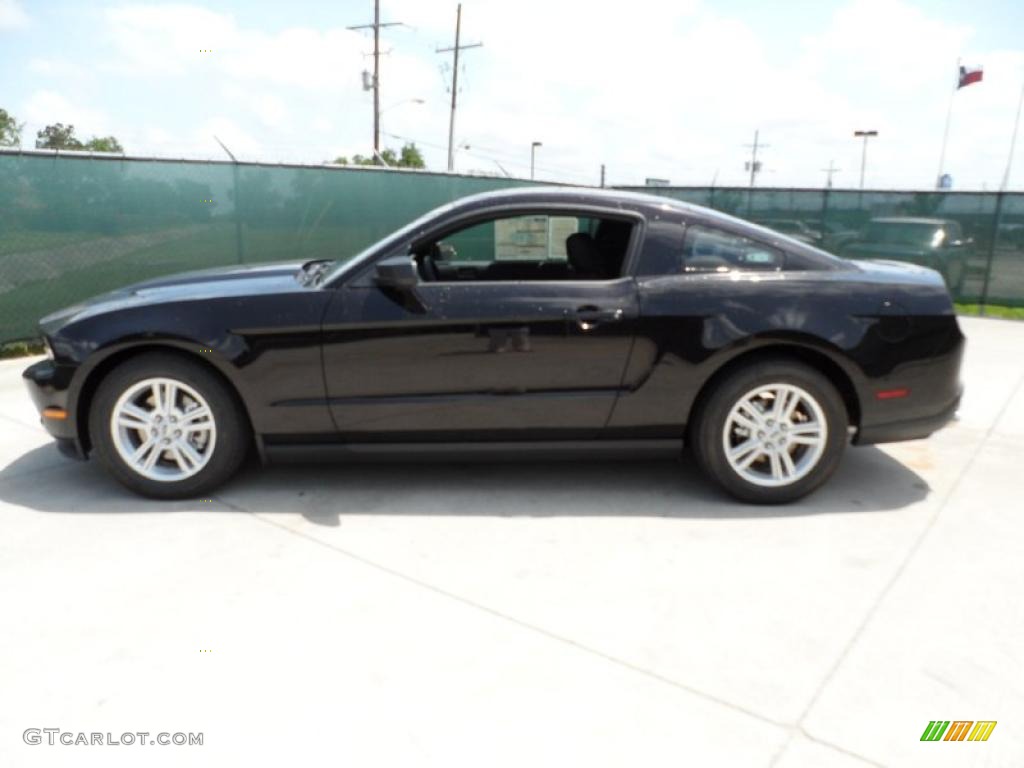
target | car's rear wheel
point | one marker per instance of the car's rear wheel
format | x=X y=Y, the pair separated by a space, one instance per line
x=167 y=427
x=771 y=432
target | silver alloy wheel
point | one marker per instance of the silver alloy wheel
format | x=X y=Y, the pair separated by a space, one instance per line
x=163 y=429
x=775 y=435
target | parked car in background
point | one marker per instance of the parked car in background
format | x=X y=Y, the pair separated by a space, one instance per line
x=798 y=230
x=1011 y=236
x=935 y=243
x=527 y=322
x=836 y=234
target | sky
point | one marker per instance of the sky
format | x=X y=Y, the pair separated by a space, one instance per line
x=649 y=88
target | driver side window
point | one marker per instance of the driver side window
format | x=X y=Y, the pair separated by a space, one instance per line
x=527 y=247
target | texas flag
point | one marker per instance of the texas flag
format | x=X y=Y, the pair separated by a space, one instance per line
x=969 y=75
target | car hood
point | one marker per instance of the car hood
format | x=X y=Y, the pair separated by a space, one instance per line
x=222 y=282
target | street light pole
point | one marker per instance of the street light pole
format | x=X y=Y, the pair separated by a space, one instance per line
x=533 y=155
x=865 y=135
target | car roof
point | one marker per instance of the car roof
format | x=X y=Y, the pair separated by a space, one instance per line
x=572 y=196
x=614 y=198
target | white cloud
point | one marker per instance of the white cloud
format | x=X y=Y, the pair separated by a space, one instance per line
x=45 y=107
x=51 y=67
x=241 y=143
x=12 y=15
x=672 y=90
x=167 y=39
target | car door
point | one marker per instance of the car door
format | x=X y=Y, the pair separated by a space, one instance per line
x=477 y=358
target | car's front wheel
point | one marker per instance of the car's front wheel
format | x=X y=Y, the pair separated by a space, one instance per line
x=771 y=432
x=167 y=427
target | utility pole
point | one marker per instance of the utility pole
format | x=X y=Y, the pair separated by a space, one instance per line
x=533 y=156
x=864 y=151
x=602 y=175
x=753 y=165
x=1013 y=142
x=376 y=27
x=455 y=82
x=830 y=172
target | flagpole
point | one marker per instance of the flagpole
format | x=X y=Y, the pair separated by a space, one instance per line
x=945 y=133
x=1013 y=143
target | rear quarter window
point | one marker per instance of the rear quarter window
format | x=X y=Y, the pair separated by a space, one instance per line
x=677 y=248
x=706 y=249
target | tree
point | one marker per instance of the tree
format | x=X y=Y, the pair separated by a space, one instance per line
x=57 y=136
x=104 y=144
x=60 y=136
x=10 y=130
x=409 y=157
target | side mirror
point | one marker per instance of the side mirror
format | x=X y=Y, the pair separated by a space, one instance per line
x=398 y=272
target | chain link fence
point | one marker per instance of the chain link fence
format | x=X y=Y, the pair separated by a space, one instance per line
x=72 y=226
x=976 y=239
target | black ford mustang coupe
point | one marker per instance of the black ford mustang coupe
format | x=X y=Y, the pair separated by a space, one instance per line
x=524 y=322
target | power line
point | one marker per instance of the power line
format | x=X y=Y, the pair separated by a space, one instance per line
x=515 y=158
x=455 y=82
x=479 y=155
x=376 y=27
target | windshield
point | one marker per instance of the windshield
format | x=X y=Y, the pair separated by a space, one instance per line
x=904 y=233
x=387 y=243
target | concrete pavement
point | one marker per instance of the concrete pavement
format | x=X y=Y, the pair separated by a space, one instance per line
x=564 y=614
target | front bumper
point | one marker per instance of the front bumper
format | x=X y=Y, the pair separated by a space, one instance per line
x=47 y=384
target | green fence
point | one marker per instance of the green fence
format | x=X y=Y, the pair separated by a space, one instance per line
x=74 y=226
x=983 y=232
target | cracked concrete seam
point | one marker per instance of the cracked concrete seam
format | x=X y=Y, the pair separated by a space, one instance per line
x=535 y=629
x=900 y=570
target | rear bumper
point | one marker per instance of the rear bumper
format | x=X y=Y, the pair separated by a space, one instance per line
x=921 y=390
x=910 y=429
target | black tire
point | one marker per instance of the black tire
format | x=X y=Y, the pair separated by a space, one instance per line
x=706 y=433
x=233 y=437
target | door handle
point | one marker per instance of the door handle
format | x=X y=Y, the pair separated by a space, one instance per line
x=589 y=316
